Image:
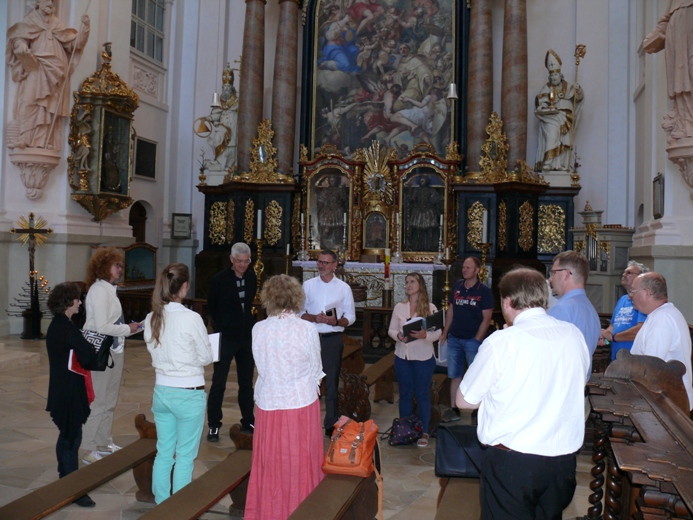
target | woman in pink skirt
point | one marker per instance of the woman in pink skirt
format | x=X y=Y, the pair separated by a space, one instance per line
x=287 y=444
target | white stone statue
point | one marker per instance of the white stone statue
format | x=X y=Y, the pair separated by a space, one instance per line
x=674 y=34
x=39 y=50
x=558 y=107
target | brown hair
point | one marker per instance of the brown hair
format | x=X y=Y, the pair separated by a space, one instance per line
x=282 y=292
x=62 y=297
x=526 y=288
x=423 y=305
x=576 y=263
x=168 y=285
x=99 y=267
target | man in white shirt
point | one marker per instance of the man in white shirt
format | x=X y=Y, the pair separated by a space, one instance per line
x=528 y=383
x=330 y=305
x=665 y=332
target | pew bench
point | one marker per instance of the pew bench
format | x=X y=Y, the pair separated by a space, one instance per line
x=352 y=356
x=205 y=491
x=382 y=375
x=51 y=497
x=458 y=499
x=340 y=497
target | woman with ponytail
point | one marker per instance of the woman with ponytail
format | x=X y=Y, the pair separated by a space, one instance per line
x=178 y=342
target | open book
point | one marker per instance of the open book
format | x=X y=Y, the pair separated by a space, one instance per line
x=435 y=321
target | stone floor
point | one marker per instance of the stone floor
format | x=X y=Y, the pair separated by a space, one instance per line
x=27 y=444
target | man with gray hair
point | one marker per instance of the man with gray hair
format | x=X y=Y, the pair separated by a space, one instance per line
x=528 y=383
x=229 y=305
x=665 y=332
x=626 y=320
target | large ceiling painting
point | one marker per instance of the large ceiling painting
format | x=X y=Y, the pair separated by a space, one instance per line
x=381 y=70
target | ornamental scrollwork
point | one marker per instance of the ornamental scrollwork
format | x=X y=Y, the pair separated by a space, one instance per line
x=551 y=239
x=230 y=207
x=249 y=221
x=273 y=228
x=475 y=224
x=525 y=241
x=502 y=225
x=217 y=223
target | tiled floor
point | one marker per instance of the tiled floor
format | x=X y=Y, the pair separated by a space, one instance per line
x=27 y=444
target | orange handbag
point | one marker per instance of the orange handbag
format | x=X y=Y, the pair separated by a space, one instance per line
x=351 y=448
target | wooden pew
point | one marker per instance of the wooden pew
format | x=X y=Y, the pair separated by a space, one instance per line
x=51 y=497
x=205 y=491
x=354 y=398
x=352 y=357
x=458 y=499
x=340 y=497
x=382 y=375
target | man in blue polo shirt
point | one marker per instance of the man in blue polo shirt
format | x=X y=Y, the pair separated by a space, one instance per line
x=568 y=277
x=626 y=320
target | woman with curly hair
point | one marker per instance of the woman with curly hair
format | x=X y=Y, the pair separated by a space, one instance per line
x=105 y=315
x=287 y=445
x=68 y=391
x=178 y=342
x=414 y=361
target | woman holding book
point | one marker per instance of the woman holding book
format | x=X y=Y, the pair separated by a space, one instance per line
x=414 y=361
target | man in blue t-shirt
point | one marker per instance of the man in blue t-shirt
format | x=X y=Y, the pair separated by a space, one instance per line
x=626 y=319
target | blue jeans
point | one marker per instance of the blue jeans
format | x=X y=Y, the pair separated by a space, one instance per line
x=179 y=415
x=461 y=352
x=414 y=377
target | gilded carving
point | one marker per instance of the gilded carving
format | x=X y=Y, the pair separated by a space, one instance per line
x=230 y=207
x=303 y=153
x=377 y=175
x=273 y=224
x=263 y=163
x=452 y=152
x=551 y=230
x=249 y=221
x=475 y=224
x=502 y=225
x=605 y=247
x=217 y=223
x=579 y=245
x=525 y=240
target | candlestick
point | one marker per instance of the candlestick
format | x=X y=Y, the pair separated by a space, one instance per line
x=483 y=272
x=259 y=224
x=302 y=221
x=259 y=267
x=484 y=227
x=447 y=261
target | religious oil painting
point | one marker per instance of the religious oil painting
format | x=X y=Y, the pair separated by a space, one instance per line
x=423 y=204
x=329 y=209
x=375 y=231
x=381 y=71
x=115 y=154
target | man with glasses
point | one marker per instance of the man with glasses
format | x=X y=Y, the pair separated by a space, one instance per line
x=568 y=277
x=229 y=305
x=665 y=332
x=626 y=319
x=330 y=305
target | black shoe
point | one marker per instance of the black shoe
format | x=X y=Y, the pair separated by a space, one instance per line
x=329 y=432
x=85 y=501
x=213 y=435
x=248 y=430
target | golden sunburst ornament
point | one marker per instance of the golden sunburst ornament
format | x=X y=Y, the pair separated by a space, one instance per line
x=31 y=226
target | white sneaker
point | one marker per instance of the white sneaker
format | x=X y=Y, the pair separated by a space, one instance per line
x=92 y=456
x=110 y=448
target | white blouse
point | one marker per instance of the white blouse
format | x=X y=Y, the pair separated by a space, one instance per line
x=287 y=356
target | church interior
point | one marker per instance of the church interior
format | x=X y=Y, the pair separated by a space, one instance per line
x=404 y=135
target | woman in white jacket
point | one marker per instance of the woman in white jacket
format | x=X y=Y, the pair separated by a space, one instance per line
x=105 y=315
x=178 y=342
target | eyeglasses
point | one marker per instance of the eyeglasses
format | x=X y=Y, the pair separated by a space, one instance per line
x=323 y=262
x=554 y=271
x=632 y=291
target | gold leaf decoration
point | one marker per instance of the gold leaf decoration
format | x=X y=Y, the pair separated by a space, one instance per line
x=217 y=223
x=551 y=239
x=273 y=223
x=502 y=226
x=525 y=241
x=475 y=224
x=230 y=207
x=249 y=221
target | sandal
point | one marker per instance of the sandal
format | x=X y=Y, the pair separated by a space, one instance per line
x=423 y=441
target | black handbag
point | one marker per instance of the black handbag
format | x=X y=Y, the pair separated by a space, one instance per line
x=102 y=346
x=458 y=451
x=404 y=430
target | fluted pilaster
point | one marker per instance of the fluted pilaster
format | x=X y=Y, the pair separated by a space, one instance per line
x=284 y=86
x=480 y=80
x=514 y=81
x=251 y=82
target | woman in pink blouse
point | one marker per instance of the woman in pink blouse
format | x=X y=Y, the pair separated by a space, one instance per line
x=414 y=361
x=287 y=444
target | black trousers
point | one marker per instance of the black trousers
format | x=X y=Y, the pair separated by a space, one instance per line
x=331 y=349
x=245 y=366
x=525 y=487
x=67 y=452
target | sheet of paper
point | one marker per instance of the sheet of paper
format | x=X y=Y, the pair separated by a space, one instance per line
x=214 y=341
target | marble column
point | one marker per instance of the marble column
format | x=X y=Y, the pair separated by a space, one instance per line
x=479 y=80
x=251 y=81
x=514 y=81
x=284 y=86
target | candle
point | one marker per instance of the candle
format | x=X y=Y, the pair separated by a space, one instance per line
x=302 y=221
x=288 y=250
x=259 y=224
x=447 y=253
x=441 y=220
x=387 y=264
x=345 y=219
x=484 y=228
